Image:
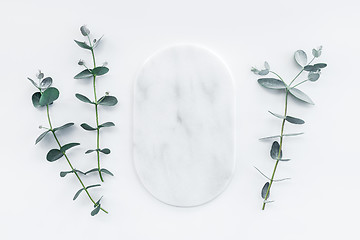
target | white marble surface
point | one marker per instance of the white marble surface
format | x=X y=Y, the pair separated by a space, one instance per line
x=184 y=125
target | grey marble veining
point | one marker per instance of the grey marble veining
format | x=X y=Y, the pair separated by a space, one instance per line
x=184 y=125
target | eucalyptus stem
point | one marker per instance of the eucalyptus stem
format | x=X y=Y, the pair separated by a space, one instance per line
x=280 y=149
x=96 y=114
x=68 y=161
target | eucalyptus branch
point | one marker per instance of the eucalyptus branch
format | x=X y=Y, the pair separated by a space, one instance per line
x=279 y=84
x=44 y=97
x=105 y=100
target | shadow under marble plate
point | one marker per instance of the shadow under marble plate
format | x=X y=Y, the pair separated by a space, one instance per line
x=184 y=125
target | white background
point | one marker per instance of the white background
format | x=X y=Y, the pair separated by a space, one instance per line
x=319 y=202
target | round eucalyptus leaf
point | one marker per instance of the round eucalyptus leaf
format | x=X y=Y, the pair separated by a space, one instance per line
x=83 y=98
x=264 y=190
x=300 y=58
x=294 y=120
x=87 y=127
x=53 y=155
x=96 y=210
x=46 y=82
x=63 y=174
x=313 y=76
x=108 y=101
x=49 y=96
x=317 y=52
x=271 y=83
x=298 y=94
x=35 y=99
x=84 y=30
x=98 y=71
x=263 y=72
x=274 y=152
x=83 y=45
x=105 y=151
x=40 y=75
x=83 y=74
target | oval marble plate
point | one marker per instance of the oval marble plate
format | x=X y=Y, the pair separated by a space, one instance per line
x=184 y=125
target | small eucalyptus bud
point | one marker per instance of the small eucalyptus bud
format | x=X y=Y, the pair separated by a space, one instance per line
x=107 y=93
x=84 y=30
x=81 y=62
x=40 y=75
x=40 y=126
x=105 y=64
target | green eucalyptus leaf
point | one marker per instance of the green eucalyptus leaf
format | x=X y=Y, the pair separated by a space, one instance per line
x=320 y=65
x=277 y=115
x=266 y=65
x=264 y=190
x=106 y=171
x=108 y=101
x=313 y=76
x=284 y=159
x=98 y=202
x=294 y=120
x=46 y=82
x=271 y=83
x=49 y=96
x=263 y=72
x=87 y=127
x=105 y=151
x=84 y=30
x=92 y=186
x=63 y=126
x=284 y=135
x=83 y=98
x=96 y=210
x=98 y=71
x=83 y=45
x=300 y=58
x=53 y=155
x=274 y=152
x=92 y=170
x=301 y=95
x=33 y=82
x=315 y=67
x=84 y=74
x=80 y=190
x=90 y=151
x=78 y=193
x=107 y=124
x=41 y=136
x=68 y=146
x=63 y=174
x=35 y=99
x=317 y=52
